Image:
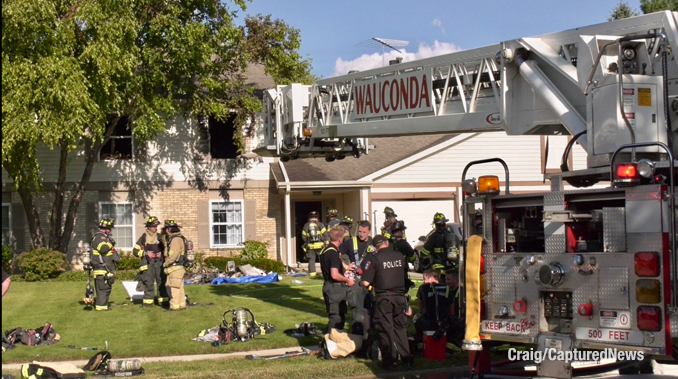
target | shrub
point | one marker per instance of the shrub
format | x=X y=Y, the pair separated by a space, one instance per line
x=128 y=261
x=265 y=264
x=42 y=264
x=254 y=250
x=72 y=276
x=7 y=258
x=220 y=263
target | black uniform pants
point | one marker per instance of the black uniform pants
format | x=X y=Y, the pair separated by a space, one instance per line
x=154 y=275
x=391 y=324
x=103 y=287
x=356 y=301
x=335 y=303
x=312 y=256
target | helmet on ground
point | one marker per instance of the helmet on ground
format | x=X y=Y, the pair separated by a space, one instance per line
x=152 y=221
x=106 y=223
x=439 y=218
x=333 y=212
x=389 y=212
x=398 y=225
x=171 y=224
x=313 y=214
x=348 y=220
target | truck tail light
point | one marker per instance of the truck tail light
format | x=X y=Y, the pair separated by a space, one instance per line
x=626 y=173
x=649 y=318
x=647 y=291
x=488 y=185
x=482 y=265
x=646 y=263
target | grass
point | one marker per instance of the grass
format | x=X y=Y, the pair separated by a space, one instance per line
x=132 y=331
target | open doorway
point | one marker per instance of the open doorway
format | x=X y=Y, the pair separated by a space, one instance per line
x=301 y=211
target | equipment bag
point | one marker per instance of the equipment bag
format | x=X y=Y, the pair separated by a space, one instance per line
x=49 y=370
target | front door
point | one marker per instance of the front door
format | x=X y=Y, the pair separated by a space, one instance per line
x=301 y=211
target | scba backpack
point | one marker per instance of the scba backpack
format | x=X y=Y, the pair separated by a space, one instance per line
x=49 y=370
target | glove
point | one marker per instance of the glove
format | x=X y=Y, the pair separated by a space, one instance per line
x=359 y=271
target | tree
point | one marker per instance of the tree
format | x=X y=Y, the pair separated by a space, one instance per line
x=651 y=6
x=72 y=69
x=622 y=10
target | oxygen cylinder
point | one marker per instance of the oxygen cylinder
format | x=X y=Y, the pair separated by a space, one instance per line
x=313 y=230
x=241 y=324
x=124 y=365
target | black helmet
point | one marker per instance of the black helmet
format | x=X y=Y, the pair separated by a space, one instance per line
x=348 y=220
x=439 y=218
x=152 y=221
x=398 y=225
x=389 y=212
x=106 y=223
x=313 y=214
x=171 y=224
x=333 y=212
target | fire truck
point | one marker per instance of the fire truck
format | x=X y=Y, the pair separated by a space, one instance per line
x=590 y=264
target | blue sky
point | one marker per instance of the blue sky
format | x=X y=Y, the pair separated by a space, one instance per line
x=331 y=29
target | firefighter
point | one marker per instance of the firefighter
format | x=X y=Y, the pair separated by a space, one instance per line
x=175 y=257
x=390 y=218
x=334 y=288
x=399 y=243
x=332 y=218
x=437 y=246
x=149 y=248
x=435 y=301
x=103 y=260
x=357 y=249
x=347 y=224
x=314 y=236
x=384 y=272
x=457 y=325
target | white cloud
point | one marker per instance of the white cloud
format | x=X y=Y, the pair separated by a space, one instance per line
x=439 y=24
x=376 y=60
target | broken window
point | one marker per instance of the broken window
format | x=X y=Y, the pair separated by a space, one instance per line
x=222 y=145
x=120 y=145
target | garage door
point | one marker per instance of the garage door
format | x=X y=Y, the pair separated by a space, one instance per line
x=417 y=214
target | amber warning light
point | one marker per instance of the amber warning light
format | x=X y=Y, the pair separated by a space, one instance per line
x=626 y=173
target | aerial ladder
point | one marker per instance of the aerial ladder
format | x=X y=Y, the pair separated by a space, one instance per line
x=566 y=270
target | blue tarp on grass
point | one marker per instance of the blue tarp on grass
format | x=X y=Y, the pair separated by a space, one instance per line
x=270 y=278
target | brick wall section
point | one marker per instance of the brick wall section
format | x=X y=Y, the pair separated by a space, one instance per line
x=267 y=213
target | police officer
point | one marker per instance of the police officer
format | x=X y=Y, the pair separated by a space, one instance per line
x=332 y=218
x=314 y=236
x=149 y=248
x=384 y=272
x=357 y=249
x=103 y=259
x=175 y=256
x=334 y=288
x=438 y=244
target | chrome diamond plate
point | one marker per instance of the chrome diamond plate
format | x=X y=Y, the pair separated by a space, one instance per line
x=644 y=242
x=554 y=198
x=673 y=320
x=614 y=288
x=503 y=290
x=556 y=183
x=641 y=193
x=555 y=244
x=614 y=230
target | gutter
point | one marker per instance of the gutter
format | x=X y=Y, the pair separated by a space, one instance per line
x=316 y=185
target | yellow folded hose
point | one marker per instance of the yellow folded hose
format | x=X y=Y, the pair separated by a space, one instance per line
x=473 y=253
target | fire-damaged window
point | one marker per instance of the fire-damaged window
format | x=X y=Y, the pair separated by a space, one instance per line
x=120 y=146
x=222 y=145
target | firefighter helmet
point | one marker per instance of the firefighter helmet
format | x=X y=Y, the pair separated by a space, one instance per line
x=398 y=225
x=439 y=218
x=106 y=223
x=171 y=224
x=389 y=212
x=152 y=221
x=348 y=220
x=313 y=214
x=333 y=213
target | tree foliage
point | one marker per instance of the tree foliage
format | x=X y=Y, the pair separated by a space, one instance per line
x=651 y=6
x=73 y=68
x=622 y=10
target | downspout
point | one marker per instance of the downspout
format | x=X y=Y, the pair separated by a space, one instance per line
x=288 y=216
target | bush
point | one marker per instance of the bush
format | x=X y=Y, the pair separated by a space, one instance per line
x=7 y=258
x=254 y=250
x=265 y=264
x=128 y=261
x=42 y=264
x=81 y=276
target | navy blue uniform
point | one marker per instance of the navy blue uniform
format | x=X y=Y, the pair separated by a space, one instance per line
x=334 y=292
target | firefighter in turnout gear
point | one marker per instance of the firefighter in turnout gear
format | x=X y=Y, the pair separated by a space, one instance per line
x=347 y=224
x=150 y=249
x=314 y=236
x=332 y=218
x=439 y=248
x=384 y=272
x=390 y=218
x=175 y=256
x=103 y=260
x=399 y=243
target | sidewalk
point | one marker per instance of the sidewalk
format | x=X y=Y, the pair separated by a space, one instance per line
x=183 y=358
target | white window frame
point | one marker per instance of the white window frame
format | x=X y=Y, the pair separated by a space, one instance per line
x=241 y=223
x=132 y=155
x=9 y=206
x=118 y=246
